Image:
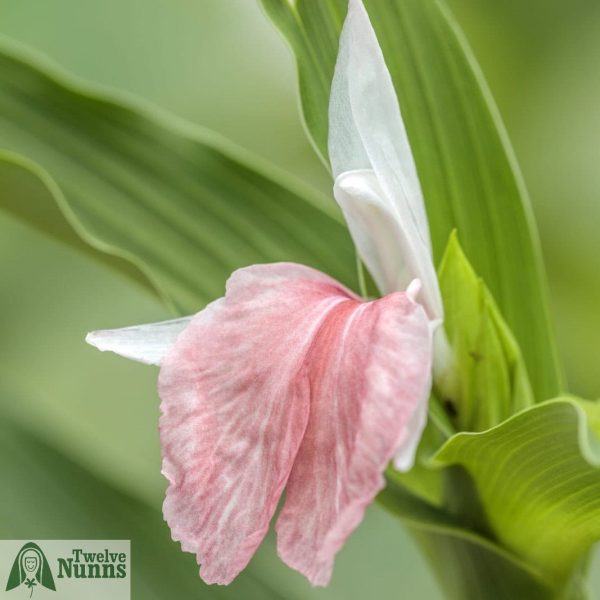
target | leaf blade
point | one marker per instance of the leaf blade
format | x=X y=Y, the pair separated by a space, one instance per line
x=464 y=561
x=540 y=497
x=184 y=206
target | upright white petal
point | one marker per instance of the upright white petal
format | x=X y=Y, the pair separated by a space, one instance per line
x=393 y=258
x=376 y=177
x=145 y=343
x=405 y=456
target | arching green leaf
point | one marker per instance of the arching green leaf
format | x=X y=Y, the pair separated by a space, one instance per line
x=469 y=565
x=538 y=477
x=182 y=206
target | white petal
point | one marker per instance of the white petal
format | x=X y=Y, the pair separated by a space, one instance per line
x=366 y=130
x=145 y=343
x=393 y=256
x=367 y=139
x=405 y=456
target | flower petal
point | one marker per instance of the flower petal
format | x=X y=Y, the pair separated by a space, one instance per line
x=239 y=385
x=235 y=406
x=369 y=372
x=367 y=134
x=366 y=130
x=387 y=252
x=144 y=343
x=404 y=457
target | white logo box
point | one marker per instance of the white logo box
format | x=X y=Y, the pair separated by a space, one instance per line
x=65 y=569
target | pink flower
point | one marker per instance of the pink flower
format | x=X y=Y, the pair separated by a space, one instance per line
x=291 y=381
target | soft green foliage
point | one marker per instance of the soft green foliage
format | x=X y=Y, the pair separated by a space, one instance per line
x=488 y=379
x=30 y=194
x=465 y=164
x=469 y=565
x=185 y=208
x=505 y=501
x=471 y=568
x=517 y=504
x=538 y=479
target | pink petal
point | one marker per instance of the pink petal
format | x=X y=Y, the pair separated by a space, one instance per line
x=237 y=389
x=235 y=408
x=370 y=376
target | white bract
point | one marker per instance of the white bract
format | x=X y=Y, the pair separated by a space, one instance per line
x=376 y=183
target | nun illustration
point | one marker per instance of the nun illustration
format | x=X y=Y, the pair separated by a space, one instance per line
x=30 y=569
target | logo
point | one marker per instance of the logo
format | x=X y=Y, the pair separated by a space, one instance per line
x=30 y=569
x=76 y=569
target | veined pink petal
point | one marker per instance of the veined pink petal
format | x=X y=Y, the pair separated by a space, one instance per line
x=237 y=390
x=370 y=377
x=235 y=408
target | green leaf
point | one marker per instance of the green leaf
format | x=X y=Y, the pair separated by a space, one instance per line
x=468 y=172
x=181 y=205
x=488 y=382
x=30 y=194
x=471 y=569
x=538 y=479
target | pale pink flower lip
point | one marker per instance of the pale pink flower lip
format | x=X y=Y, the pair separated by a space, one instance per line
x=288 y=380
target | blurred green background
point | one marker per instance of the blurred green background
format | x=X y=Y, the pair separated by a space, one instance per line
x=79 y=451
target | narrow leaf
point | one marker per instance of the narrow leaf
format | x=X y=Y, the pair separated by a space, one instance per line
x=468 y=565
x=30 y=194
x=184 y=207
